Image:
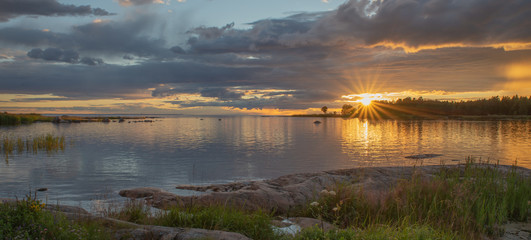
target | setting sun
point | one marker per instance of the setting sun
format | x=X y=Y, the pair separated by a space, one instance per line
x=365 y=101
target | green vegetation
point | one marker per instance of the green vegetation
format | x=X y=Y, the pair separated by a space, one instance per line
x=48 y=143
x=376 y=233
x=254 y=224
x=470 y=202
x=15 y=119
x=27 y=219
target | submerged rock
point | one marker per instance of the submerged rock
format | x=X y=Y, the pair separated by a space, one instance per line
x=422 y=156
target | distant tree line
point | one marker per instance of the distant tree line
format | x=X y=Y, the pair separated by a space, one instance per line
x=515 y=105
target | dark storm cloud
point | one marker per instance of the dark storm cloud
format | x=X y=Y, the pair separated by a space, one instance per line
x=107 y=38
x=60 y=55
x=91 y=61
x=35 y=38
x=414 y=23
x=54 y=54
x=264 y=35
x=14 y=8
x=113 y=81
x=424 y=22
x=221 y=94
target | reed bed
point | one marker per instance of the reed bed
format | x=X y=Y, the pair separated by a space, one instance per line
x=48 y=143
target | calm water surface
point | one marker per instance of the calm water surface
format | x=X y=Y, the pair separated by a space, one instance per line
x=102 y=158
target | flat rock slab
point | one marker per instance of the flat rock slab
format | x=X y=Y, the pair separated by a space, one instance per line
x=517 y=231
x=283 y=193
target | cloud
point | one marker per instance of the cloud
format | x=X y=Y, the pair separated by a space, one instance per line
x=418 y=24
x=60 y=55
x=221 y=94
x=54 y=54
x=107 y=38
x=14 y=8
x=409 y=24
x=139 y=2
x=296 y=62
x=91 y=61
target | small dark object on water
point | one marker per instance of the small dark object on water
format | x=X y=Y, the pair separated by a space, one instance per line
x=422 y=156
x=219 y=119
x=121 y=120
x=42 y=189
x=201 y=119
x=317 y=122
x=106 y=120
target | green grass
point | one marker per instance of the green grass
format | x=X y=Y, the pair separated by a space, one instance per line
x=376 y=233
x=471 y=202
x=256 y=224
x=16 y=119
x=46 y=142
x=26 y=219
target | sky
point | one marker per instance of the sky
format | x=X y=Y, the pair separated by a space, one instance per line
x=276 y=57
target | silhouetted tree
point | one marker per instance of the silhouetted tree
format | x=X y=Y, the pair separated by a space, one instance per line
x=347 y=110
x=324 y=109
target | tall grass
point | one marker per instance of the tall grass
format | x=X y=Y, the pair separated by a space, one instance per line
x=376 y=233
x=46 y=142
x=256 y=224
x=473 y=201
x=27 y=219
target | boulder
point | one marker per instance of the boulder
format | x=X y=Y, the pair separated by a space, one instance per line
x=140 y=192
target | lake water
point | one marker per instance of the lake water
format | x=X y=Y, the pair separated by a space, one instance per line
x=102 y=158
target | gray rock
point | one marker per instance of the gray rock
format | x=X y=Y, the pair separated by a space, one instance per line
x=517 y=231
x=304 y=222
x=283 y=193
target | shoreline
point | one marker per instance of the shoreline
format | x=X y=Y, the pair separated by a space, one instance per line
x=285 y=192
x=431 y=117
x=287 y=200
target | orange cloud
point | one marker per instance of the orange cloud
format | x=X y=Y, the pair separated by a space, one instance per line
x=414 y=49
x=271 y=111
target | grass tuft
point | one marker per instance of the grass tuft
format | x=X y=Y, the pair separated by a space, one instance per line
x=46 y=142
x=472 y=202
x=27 y=219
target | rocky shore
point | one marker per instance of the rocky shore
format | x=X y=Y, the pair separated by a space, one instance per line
x=287 y=192
x=278 y=195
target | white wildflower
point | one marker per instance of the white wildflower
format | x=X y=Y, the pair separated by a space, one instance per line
x=314 y=204
x=334 y=209
x=324 y=192
x=333 y=193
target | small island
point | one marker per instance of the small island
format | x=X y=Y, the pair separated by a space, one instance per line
x=16 y=119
